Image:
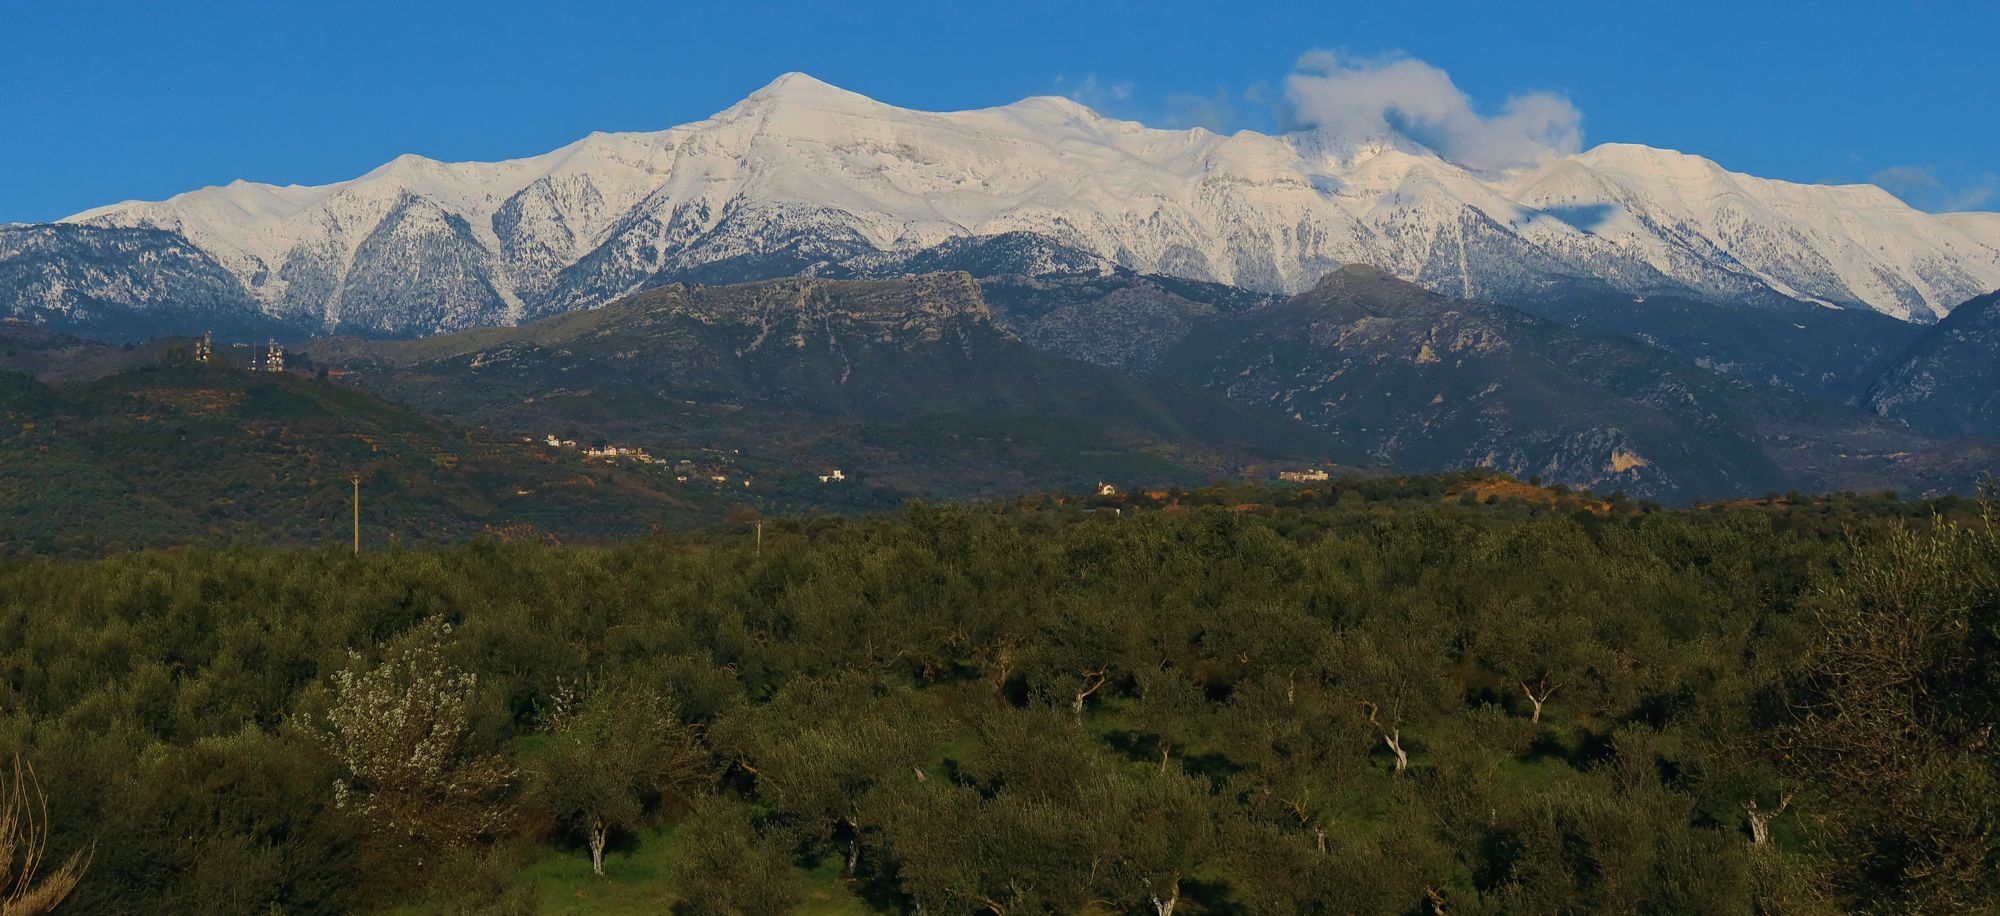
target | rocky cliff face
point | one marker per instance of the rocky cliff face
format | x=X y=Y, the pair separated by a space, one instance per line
x=1948 y=382
x=121 y=284
x=1423 y=381
x=798 y=343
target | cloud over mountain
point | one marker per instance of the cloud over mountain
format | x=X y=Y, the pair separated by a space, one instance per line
x=1923 y=187
x=1361 y=97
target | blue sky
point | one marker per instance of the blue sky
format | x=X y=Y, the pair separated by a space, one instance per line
x=103 y=101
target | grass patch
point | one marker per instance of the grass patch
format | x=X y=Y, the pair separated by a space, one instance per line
x=639 y=878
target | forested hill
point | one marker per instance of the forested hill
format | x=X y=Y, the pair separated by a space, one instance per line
x=1424 y=695
x=181 y=453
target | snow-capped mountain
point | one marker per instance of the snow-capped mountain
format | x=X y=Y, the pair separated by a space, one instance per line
x=803 y=177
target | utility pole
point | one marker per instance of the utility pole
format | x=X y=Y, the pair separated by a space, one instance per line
x=357 y=515
x=760 y=537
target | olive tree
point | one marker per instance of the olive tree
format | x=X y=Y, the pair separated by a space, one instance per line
x=831 y=756
x=613 y=753
x=1896 y=703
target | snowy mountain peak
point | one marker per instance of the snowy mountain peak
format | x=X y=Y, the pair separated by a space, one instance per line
x=798 y=84
x=801 y=91
x=1334 y=149
x=1059 y=103
x=803 y=176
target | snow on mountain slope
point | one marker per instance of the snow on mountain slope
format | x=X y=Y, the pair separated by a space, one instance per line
x=1845 y=245
x=1980 y=225
x=801 y=177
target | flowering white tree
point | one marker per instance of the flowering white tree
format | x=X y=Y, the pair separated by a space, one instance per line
x=400 y=730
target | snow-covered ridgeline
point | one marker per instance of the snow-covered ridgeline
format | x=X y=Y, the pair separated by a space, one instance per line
x=829 y=176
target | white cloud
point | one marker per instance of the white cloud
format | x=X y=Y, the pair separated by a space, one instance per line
x=1222 y=111
x=1359 y=97
x=1364 y=97
x=1215 y=112
x=1103 y=96
x=1920 y=187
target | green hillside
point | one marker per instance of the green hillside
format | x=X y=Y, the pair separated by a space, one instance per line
x=182 y=453
x=1388 y=696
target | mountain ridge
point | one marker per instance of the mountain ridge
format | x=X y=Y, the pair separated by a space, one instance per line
x=803 y=178
x=910 y=381
x=1419 y=380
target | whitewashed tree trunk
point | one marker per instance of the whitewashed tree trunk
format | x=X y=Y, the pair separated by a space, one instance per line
x=1166 y=907
x=853 y=856
x=1548 y=690
x=598 y=833
x=1760 y=821
x=1099 y=678
x=1394 y=739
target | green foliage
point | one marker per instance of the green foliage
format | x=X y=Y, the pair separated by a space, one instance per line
x=730 y=867
x=611 y=757
x=1223 y=700
x=188 y=454
x=1900 y=694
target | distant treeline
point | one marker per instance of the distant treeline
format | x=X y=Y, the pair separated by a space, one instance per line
x=1366 y=697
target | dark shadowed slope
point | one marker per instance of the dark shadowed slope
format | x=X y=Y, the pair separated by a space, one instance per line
x=1948 y=381
x=1427 y=382
x=1834 y=355
x=910 y=380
